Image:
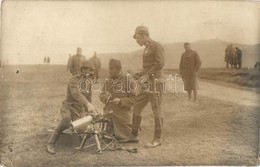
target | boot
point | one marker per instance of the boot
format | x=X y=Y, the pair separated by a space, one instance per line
x=135 y=128
x=50 y=148
x=157 y=134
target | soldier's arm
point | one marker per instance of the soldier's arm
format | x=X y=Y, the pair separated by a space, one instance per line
x=181 y=65
x=74 y=87
x=71 y=64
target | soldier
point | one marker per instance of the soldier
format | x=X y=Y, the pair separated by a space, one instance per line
x=97 y=64
x=77 y=103
x=76 y=61
x=117 y=97
x=69 y=63
x=227 y=57
x=153 y=63
x=189 y=66
x=44 y=60
x=239 y=57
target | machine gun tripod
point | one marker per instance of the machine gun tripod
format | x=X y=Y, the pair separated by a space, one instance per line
x=97 y=127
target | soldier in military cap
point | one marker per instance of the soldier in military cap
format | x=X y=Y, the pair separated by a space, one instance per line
x=153 y=63
x=189 y=66
x=76 y=61
x=120 y=99
x=77 y=103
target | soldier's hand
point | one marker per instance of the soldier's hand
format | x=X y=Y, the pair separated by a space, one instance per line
x=143 y=79
x=116 y=101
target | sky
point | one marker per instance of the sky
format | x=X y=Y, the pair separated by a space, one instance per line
x=34 y=29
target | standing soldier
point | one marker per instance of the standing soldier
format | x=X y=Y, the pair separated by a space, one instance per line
x=120 y=101
x=153 y=62
x=77 y=103
x=48 y=60
x=44 y=60
x=97 y=64
x=189 y=66
x=227 y=59
x=76 y=62
x=69 y=63
x=239 y=57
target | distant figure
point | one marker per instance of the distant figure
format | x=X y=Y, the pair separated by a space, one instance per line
x=76 y=62
x=230 y=56
x=239 y=57
x=48 y=60
x=257 y=65
x=69 y=63
x=97 y=64
x=44 y=60
x=189 y=66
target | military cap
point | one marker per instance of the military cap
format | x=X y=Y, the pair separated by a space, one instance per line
x=140 y=29
x=115 y=63
x=78 y=49
x=87 y=64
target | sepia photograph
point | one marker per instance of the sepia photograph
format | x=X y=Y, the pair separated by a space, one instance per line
x=129 y=83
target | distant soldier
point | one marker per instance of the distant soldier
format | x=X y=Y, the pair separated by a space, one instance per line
x=76 y=62
x=48 y=60
x=227 y=57
x=97 y=64
x=69 y=63
x=44 y=60
x=77 y=103
x=189 y=66
x=239 y=57
x=233 y=57
x=257 y=65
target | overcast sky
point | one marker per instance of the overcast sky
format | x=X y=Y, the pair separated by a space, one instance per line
x=34 y=29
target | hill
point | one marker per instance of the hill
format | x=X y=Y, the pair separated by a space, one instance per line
x=210 y=51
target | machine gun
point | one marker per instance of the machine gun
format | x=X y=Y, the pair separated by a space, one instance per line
x=95 y=126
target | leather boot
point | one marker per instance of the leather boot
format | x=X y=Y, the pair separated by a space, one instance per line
x=135 y=128
x=157 y=134
x=54 y=137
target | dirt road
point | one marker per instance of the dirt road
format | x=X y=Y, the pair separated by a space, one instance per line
x=241 y=97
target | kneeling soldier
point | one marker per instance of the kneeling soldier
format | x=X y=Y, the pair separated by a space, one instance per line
x=118 y=96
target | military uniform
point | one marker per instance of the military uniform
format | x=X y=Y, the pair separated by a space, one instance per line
x=189 y=65
x=122 y=112
x=74 y=106
x=153 y=63
x=76 y=61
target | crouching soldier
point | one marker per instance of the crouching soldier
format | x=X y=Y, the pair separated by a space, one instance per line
x=77 y=103
x=118 y=96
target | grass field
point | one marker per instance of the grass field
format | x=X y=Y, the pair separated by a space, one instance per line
x=213 y=132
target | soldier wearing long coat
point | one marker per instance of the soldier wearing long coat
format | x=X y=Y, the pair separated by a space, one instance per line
x=76 y=61
x=77 y=103
x=119 y=97
x=189 y=66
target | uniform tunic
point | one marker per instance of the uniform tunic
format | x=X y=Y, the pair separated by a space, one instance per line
x=189 y=65
x=75 y=65
x=153 y=63
x=120 y=87
x=78 y=96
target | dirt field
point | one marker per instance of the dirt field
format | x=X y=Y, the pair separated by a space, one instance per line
x=217 y=131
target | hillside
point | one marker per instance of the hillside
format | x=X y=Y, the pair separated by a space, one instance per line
x=210 y=51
